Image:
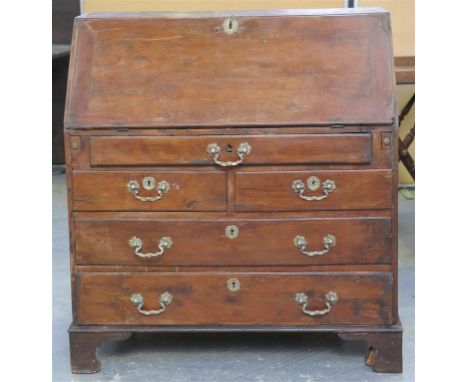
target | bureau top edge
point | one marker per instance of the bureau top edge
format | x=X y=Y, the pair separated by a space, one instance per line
x=234 y=13
x=332 y=127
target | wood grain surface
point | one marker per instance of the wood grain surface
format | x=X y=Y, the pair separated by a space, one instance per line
x=306 y=148
x=363 y=298
x=272 y=190
x=261 y=242
x=186 y=71
x=189 y=191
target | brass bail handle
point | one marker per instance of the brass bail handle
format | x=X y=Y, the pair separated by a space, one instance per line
x=328 y=241
x=149 y=183
x=164 y=300
x=330 y=300
x=137 y=244
x=313 y=184
x=214 y=151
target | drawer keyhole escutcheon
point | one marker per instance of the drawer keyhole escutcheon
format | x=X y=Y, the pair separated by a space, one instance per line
x=313 y=183
x=231 y=231
x=149 y=183
x=230 y=26
x=233 y=284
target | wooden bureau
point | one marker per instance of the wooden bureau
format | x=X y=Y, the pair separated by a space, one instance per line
x=233 y=171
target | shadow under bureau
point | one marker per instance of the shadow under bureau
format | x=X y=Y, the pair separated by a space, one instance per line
x=233 y=172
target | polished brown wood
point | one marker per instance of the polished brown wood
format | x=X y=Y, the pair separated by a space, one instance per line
x=187 y=71
x=272 y=190
x=319 y=155
x=385 y=349
x=203 y=241
x=262 y=299
x=305 y=148
x=148 y=92
x=189 y=191
x=83 y=357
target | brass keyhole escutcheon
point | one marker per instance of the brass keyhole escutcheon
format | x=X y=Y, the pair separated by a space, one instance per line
x=231 y=231
x=230 y=25
x=313 y=183
x=149 y=183
x=233 y=284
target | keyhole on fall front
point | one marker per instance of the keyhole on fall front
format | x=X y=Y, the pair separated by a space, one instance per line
x=229 y=148
x=230 y=26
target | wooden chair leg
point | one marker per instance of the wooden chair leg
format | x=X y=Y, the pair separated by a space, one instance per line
x=404 y=144
x=406 y=158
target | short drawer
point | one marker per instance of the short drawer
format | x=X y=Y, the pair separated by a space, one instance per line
x=149 y=191
x=241 y=241
x=239 y=298
x=201 y=150
x=313 y=190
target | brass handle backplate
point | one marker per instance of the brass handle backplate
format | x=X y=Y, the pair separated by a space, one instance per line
x=164 y=300
x=137 y=244
x=330 y=299
x=313 y=184
x=149 y=183
x=215 y=152
x=300 y=243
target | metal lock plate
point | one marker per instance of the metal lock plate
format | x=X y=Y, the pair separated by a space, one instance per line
x=149 y=183
x=233 y=284
x=313 y=183
x=231 y=231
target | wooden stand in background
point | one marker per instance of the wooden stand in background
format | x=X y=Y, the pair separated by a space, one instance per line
x=405 y=74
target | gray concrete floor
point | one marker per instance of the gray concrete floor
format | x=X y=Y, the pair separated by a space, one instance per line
x=226 y=357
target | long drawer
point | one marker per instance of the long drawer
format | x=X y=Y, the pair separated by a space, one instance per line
x=204 y=150
x=149 y=191
x=232 y=241
x=313 y=190
x=242 y=298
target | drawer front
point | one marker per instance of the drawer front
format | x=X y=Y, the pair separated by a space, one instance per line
x=170 y=191
x=243 y=298
x=265 y=149
x=313 y=190
x=205 y=242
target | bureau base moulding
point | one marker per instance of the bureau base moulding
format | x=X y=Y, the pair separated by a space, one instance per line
x=384 y=354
